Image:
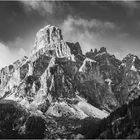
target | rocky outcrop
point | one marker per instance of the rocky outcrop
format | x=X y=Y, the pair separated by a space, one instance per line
x=50 y=40
x=10 y=76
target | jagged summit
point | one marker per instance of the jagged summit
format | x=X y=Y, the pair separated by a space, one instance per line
x=50 y=39
x=93 y=54
x=102 y=50
x=131 y=62
x=129 y=56
x=52 y=34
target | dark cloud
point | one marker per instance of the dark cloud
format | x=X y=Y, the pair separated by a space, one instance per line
x=114 y=24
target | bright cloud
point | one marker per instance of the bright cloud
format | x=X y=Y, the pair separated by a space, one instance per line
x=87 y=32
x=26 y=43
x=9 y=56
x=91 y=24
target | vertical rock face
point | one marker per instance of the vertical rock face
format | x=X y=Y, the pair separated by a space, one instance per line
x=10 y=76
x=50 y=39
x=47 y=35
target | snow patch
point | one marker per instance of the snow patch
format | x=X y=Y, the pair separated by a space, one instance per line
x=109 y=81
x=133 y=68
x=101 y=53
x=11 y=97
x=72 y=58
x=134 y=58
x=123 y=64
x=83 y=67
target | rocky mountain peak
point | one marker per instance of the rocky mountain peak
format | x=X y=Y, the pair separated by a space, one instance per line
x=129 y=57
x=50 y=40
x=92 y=54
x=49 y=34
x=102 y=50
x=131 y=62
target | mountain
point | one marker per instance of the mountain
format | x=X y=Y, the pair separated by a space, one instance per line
x=61 y=92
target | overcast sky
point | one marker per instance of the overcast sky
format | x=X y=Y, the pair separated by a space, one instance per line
x=114 y=25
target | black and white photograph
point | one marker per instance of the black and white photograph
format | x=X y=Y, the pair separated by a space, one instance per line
x=69 y=69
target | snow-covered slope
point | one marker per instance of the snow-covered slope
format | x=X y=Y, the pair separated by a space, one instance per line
x=90 y=110
x=80 y=110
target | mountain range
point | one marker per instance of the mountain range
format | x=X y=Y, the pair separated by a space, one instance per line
x=59 y=92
